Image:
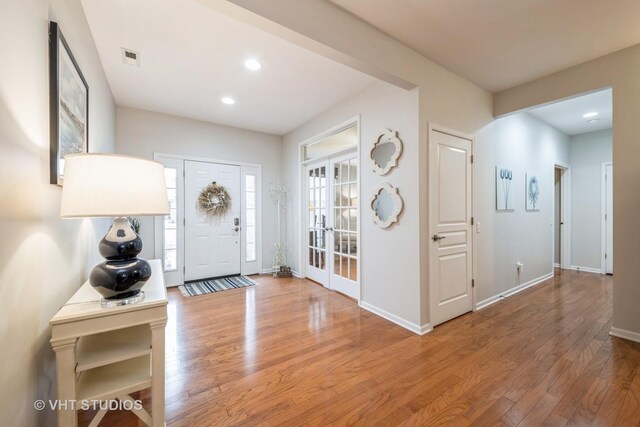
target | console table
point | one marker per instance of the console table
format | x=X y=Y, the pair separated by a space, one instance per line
x=107 y=353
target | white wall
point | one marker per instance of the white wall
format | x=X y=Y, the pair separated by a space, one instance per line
x=390 y=257
x=524 y=144
x=557 y=217
x=43 y=259
x=588 y=151
x=142 y=133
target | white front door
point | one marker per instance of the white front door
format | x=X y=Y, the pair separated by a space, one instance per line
x=450 y=176
x=212 y=245
x=332 y=203
x=609 y=219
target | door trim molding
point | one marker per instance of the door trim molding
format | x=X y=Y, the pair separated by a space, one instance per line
x=158 y=241
x=434 y=127
x=300 y=213
x=565 y=217
x=603 y=212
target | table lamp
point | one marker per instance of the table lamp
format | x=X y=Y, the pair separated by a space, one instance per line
x=109 y=185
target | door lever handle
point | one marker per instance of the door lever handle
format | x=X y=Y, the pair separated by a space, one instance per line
x=437 y=237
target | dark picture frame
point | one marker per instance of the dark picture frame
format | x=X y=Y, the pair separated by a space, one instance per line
x=68 y=105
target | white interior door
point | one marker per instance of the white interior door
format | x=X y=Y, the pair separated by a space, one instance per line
x=451 y=210
x=344 y=248
x=317 y=185
x=212 y=245
x=609 y=219
x=332 y=212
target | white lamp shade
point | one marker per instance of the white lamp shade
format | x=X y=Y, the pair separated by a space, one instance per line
x=109 y=185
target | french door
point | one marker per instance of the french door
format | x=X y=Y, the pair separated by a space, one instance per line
x=332 y=202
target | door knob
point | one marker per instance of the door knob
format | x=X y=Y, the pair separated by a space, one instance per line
x=437 y=237
x=236 y=229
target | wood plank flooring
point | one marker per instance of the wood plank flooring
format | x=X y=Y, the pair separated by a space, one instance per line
x=289 y=352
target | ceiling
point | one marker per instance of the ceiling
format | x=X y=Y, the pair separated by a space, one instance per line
x=192 y=56
x=498 y=44
x=567 y=115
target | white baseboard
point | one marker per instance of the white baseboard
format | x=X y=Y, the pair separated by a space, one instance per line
x=293 y=272
x=585 y=269
x=413 y=327
x=556 y=265
x=623 y=333
x=492 y=300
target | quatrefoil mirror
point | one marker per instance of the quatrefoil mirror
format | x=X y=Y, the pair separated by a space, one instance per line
x=385 y=151
x=386 y=205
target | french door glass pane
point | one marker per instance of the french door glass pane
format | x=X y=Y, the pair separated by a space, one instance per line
x=317 y=205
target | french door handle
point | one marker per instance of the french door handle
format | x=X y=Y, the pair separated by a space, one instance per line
x=236 y=229
x=328 y=229
x=437 y=237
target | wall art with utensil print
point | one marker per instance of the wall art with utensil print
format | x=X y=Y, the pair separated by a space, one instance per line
x=504 y=193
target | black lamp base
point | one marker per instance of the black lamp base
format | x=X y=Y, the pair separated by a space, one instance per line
x=123 y=274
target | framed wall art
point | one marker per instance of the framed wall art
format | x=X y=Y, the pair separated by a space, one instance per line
x=532 y=192
x=504 y=197
x=68 y=105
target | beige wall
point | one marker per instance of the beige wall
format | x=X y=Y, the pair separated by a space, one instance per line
x=142 y=133
x=445 y=98
x=390 y=257
x=620 y=71
x=43 y=259
x=524 y=144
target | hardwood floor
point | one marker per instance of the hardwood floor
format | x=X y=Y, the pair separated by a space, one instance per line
x=289 y=352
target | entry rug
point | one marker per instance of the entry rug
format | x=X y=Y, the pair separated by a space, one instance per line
x=215 y=285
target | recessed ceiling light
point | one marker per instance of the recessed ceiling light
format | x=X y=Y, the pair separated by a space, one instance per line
x=227 y=100
x=590 y=115
x=593 y=120
x=252 y=64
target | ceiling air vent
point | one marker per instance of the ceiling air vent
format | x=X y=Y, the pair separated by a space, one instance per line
x=130 y=57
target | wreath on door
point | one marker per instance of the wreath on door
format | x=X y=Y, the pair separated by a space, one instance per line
x=214 y=200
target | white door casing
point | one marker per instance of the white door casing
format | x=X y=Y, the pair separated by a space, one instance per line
x=172 y=276
x=607 y=223
x=451 y=209
x=212 y=245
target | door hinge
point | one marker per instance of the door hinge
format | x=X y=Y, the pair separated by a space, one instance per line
x=184 y=222
x=184 y=173
x=184 y=269
x=472 y=158
x=473 y=283
x=605 y=217
x=605 y=256
x=471 y=220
